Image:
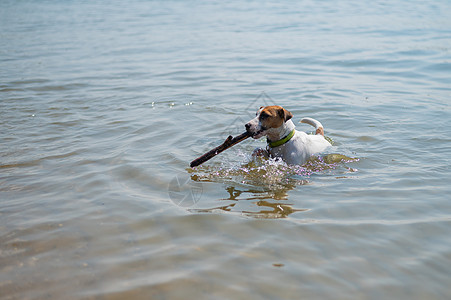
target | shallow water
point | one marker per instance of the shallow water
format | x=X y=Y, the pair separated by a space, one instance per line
x=103 y=105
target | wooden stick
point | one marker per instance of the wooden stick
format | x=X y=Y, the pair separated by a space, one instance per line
x=229 y=142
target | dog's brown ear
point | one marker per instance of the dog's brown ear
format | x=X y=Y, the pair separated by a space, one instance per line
x=285 y=114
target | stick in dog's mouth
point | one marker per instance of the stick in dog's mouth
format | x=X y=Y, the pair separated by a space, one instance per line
x=229 y=142
x=258 y=132
x=253 y=135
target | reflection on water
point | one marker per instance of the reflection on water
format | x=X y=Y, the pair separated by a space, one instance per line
x=272 y=210
x=266 y=183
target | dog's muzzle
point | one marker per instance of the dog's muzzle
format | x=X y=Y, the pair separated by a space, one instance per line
x=253 y=132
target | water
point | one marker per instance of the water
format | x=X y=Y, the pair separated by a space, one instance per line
x=104 y=104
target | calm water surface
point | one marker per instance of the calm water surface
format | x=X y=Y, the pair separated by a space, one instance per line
x=104 y=104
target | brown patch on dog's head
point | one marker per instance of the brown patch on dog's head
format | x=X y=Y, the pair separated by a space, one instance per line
x=274 y=116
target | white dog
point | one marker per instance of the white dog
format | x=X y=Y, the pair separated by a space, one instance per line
x=284 y=141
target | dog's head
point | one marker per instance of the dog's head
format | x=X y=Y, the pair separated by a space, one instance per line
x=267 y=118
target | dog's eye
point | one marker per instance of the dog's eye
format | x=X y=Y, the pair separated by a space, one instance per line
x=263 y=116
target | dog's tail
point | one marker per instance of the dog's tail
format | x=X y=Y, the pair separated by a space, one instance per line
x=318 y=126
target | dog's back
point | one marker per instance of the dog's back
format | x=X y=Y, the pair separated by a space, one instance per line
x=302 y=146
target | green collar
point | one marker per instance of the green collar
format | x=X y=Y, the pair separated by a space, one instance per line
x=282 y=141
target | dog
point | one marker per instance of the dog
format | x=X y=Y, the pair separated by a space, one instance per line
x=284 y=141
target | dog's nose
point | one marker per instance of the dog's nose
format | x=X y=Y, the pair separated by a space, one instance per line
x=248 y=126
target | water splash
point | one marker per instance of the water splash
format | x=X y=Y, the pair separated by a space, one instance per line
x=270 y=174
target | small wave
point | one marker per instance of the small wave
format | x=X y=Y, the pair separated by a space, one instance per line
x=270 y=174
